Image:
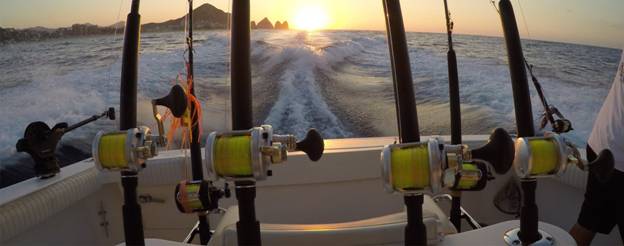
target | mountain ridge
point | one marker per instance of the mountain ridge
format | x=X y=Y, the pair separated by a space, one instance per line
x=205 y=17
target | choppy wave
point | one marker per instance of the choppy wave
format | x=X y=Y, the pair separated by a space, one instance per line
x=336 y=81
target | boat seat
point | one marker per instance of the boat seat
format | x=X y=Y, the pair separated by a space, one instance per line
x=383 y=230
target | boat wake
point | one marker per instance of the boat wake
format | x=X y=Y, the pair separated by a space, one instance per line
x=338 y=82
x=290 y=74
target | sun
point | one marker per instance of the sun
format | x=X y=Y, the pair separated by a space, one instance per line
x=310 y=18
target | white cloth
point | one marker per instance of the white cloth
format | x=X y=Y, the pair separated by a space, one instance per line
x=608 y=131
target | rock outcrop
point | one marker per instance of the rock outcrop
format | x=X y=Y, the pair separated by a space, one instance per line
x=264 y=24
x=281 y=25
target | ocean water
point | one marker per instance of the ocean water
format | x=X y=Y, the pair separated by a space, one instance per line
x=336 y=81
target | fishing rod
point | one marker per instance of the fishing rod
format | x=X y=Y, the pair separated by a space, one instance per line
x=559 y=125
x=245 y=154
x=248 y=227
x=536 y=156
x=412 y=167
x=197 y=196
x=196 y=158
x=455 y=107
x=127 y=150
x=407 y=116
x=132 y=217
x=524 y=117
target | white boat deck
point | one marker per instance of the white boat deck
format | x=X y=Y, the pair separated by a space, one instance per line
x=344 y=186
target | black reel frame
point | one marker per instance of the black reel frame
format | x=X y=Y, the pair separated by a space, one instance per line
x=41 y=142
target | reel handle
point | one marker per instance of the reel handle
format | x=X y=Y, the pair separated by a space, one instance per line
x=602 y=166
x=176 y=101
x=110 y=114
x=312 y=145
x=499 y=151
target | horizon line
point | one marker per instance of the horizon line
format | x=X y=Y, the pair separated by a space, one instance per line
x=354 y=29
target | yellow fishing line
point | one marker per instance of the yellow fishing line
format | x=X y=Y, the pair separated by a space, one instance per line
x=192 y=194
x=468 y=181
x=112 y=151
x=410 y=168
x=232 y=156
x=544 y=156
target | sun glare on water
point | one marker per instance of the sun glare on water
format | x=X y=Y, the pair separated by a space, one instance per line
x=310 y=18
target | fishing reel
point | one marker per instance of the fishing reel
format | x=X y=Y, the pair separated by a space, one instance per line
x=552 y=154
x=559 y=124
x=414 y=168
x=246 y=155
x=40 y=142
x=124 y=150
x=128 y=150
x=199 y=196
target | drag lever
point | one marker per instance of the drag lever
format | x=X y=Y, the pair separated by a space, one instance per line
x=175 y=101
x=499 y=151
x=313 y=145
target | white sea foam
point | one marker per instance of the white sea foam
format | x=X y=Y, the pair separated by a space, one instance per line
x=338 y=82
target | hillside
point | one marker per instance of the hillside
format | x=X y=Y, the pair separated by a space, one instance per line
x=205 y=16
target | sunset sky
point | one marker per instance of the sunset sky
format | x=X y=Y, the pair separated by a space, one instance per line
x=595 y=22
